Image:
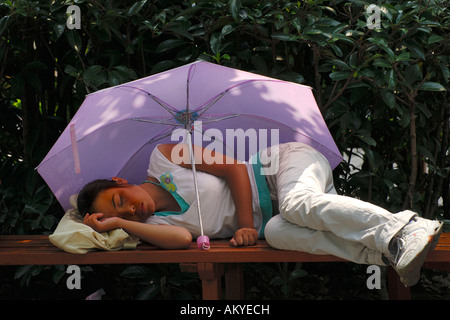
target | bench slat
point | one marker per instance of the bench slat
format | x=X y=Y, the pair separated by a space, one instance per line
x=22 y=250
x=37 y=249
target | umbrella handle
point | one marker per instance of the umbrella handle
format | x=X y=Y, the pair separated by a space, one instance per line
x=203 y=243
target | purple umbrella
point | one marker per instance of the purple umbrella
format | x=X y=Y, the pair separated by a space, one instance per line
x=115 y=129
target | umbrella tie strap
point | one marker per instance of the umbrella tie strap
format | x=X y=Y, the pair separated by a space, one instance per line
x=76 y=155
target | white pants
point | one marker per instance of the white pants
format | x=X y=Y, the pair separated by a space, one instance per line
x=314 y=219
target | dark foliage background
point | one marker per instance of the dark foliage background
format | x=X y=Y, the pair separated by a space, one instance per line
x=382 y=91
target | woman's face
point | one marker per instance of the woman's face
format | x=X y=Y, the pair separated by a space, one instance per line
x=129 y=202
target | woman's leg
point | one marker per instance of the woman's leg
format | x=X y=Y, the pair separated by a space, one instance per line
x=307 y=198
x=282 y=234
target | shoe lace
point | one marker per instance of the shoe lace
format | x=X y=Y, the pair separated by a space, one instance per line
x=398 y=245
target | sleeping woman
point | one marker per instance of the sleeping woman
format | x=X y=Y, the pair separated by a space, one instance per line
x=294 y=208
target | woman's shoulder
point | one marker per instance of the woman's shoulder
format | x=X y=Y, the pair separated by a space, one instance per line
x=162 y=158
x=165 y=149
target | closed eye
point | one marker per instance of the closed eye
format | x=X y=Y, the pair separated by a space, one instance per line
x=117 y=202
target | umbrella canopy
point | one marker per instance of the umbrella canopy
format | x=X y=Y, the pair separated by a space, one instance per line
x=115 y=130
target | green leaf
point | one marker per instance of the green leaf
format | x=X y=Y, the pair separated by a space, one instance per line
x=388 y=98
x=292 y=76
x=369 y=154
x=445 y=71
x=337 y=50
x=382 y=63
x=405 y=118
x=94 y=76
x=340 y=63
x=423 y=107
x=390 y=79
x=285 y=37
x=390 y=53
x=21 y=271
x=298 y=273
x=3 y=24
x=367 y=72
x=316 y=32
x=350 y=120
x=169 y=44
x=434 y=38
x=136 y=272
x=148 y=292
x=59 y=29
x=432 y=86
x=70 y=70
x=381 y=42
x=340 y=75
x=416 y=51
x=276 y=281
x=162 y=66
x=327 y=22
x=74 y=39
x=181 y=28
x=368 y=140
x=48 y=222
x=260 y=64
x=235 y=7
x=136 y=7
x=412 y=73
x=227 y=29
x=404 y=56
x=215 y=43
x=426 y=153
x=126 y=73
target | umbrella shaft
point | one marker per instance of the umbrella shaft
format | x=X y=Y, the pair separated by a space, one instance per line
x=194 y=173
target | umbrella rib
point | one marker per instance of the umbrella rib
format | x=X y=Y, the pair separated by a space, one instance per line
x=164 y=122
x=154 y=139
x=213 y=100
x=223 y=118
x=163 y=104
x=187 y=89
x=203 y=132
x=226 y=146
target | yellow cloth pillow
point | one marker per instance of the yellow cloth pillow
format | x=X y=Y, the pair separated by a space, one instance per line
x=72 y=235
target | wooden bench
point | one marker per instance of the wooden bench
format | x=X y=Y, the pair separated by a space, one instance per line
x=221 y=261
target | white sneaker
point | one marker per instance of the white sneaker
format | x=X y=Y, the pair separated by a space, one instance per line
x=412 y=245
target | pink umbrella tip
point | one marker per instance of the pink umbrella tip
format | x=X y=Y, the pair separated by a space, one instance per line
x=203 y=243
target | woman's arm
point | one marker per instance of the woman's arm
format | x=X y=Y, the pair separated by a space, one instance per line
x=162 y=236
x=236 y=176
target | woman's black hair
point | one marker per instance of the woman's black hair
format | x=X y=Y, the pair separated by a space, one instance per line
x=89 y=193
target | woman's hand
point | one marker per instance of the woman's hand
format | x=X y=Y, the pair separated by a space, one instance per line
x=101 y=225
x=245 y=237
